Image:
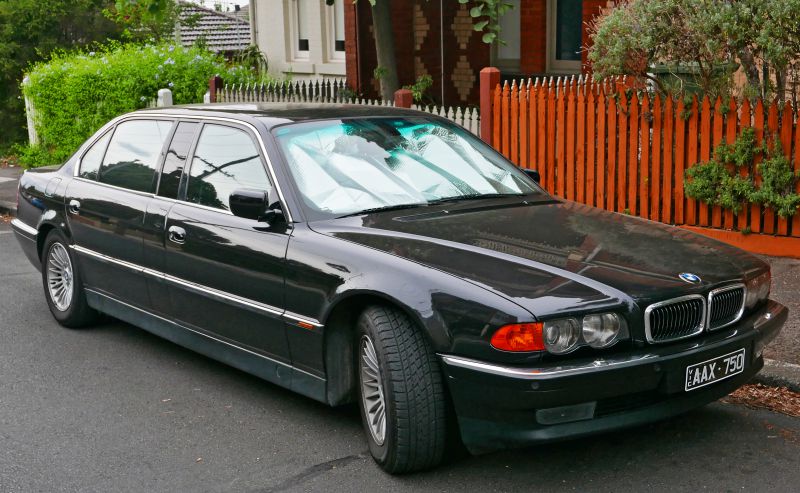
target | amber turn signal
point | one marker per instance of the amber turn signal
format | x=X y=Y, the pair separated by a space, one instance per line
x=519 y=337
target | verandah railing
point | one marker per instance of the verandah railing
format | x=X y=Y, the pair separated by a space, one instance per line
x=605 y=145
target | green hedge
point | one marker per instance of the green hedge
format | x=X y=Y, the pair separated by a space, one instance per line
x=75 y=93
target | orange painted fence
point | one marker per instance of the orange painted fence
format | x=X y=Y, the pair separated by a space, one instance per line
x=626 y=151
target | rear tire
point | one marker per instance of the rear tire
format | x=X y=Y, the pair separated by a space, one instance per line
x=63 y=284
x=401 y=393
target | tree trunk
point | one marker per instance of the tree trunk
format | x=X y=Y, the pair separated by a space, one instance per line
x=384 y=46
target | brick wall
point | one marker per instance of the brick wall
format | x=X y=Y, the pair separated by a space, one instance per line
x=591 y=8
x=533 y=39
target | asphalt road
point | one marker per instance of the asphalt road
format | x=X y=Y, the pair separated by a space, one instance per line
x=113 y=408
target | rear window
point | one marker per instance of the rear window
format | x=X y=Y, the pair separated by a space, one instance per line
x=131 y=160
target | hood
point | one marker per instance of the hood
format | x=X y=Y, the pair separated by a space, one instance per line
x=550 y=255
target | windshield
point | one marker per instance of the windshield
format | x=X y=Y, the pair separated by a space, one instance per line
x=343 y=167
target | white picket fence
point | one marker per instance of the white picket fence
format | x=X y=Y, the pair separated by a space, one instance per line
x=333 y=91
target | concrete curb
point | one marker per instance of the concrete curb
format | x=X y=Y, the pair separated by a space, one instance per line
x=779 y=374
x=8 y=208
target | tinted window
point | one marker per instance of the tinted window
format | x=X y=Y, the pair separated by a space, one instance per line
x=90 y=163
x=176 y=159
x=132 y=155
x=225 y=160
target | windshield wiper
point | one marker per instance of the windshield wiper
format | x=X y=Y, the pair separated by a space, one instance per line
x=476 y=196
x=385 y=208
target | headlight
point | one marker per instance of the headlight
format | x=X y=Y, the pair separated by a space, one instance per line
x=603 y=329
x=561 y=336
x=758 y=289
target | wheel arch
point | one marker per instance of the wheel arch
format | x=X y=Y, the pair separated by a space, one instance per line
x=339 y=340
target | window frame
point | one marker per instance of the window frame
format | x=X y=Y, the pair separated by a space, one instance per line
x=553 y=64
x=100 y=136
x=294 y=33
x=509 y=64
x=159 y=163
x=184 y=184
x=189 y=154
x=334 y=55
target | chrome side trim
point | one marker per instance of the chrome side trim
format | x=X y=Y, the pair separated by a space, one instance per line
x=717 y=291
x=21 y=226
x=548 y=373
x=299 y=318
x=210 y=292
x=699 y=329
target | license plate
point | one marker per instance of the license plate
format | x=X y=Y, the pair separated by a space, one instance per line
x=714 y=370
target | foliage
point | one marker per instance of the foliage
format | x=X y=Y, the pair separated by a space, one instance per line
x=145 y=20
x=486 y=14
x=75 y=93
x=703 y=36
x=29 y=31
x=720 y=182
x=419 y=87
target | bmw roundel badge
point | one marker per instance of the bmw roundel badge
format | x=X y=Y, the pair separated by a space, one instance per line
x=689 y=277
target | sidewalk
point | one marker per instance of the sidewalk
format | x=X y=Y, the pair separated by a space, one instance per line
x=8 y=189
x=782 y=366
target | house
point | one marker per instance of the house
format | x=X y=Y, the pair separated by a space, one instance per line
x=309 y=39
x=301 y=38
x=222 y=32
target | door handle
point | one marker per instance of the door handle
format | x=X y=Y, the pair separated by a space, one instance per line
x=74 y=206
x=176 y=234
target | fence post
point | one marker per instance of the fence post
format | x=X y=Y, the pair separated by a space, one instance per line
x=403 y=98
x=214 y=84
x=164 y=98
x=490 y=77
x=30 y=116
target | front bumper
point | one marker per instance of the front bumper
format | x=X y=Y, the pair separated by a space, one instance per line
x=501 y=407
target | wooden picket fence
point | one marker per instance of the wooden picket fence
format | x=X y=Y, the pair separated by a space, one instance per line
x=333 y=91
x=606 y=145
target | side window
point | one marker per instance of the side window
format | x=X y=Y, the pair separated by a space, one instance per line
x=132 y=156
x=225 y=160
x=176 y=159
x=90 y=163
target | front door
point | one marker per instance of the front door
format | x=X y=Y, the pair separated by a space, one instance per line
x=226 y=273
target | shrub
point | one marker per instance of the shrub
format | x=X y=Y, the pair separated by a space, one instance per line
x=719 y=182
x=75 y=93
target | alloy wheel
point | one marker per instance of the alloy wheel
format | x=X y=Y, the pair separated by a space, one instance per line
x=59 y=276
x=372 y=391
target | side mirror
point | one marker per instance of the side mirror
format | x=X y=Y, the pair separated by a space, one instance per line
x=249 y=204
x=532 y=174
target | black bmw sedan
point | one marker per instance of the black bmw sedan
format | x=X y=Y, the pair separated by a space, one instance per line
x=390 y=258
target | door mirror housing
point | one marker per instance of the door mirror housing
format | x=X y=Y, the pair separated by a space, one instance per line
x=249 y=204
x=255 y=205
x=532 y=174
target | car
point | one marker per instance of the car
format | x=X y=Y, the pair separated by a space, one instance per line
x=389 y=258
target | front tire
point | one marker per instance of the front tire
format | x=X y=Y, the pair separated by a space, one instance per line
x=401 y=393
x=63 y=285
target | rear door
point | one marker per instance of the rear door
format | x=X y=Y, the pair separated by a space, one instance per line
x=226 y=273
x=106 y=206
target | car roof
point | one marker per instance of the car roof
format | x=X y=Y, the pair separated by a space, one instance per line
x=272 y=114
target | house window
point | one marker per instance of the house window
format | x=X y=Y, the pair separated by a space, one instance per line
x=506 y=55
x=564 y=31
x=301 y=26
x=335 y=25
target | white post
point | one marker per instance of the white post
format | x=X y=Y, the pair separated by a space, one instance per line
x=30 y=115
x=164 y=98
x=207 y=97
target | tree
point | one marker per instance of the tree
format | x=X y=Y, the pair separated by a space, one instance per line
x=29 y=31
x=709 y=37
x=146 y=20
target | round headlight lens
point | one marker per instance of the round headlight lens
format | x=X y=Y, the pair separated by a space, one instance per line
x=602 y=330
x=561 y=336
